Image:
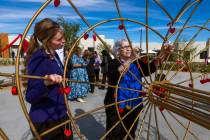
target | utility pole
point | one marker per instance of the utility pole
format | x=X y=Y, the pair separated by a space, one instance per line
x=140 y=43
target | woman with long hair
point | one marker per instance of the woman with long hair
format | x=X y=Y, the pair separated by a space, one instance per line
x=48 y=108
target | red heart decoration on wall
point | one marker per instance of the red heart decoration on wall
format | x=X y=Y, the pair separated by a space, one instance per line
x=56 y=3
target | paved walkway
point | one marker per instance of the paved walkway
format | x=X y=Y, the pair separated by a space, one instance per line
x=92 y=126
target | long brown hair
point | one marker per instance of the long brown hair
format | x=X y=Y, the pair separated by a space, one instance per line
x=44 y=31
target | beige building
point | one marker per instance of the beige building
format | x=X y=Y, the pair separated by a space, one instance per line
x=202 y=48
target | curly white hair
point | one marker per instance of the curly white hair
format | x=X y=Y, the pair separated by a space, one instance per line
x=117 y=46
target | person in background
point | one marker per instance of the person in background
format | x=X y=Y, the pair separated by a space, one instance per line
x=89 y=59
x=106 y=58
x=97 y=64
x=78 y=73
x=48 y=108
x=117 y=67
x=13 y=57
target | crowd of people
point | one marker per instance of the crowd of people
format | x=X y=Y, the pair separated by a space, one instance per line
x=47 y=104
x=86 y=66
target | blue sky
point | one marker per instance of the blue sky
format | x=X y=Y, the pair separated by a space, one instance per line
x=15 y=15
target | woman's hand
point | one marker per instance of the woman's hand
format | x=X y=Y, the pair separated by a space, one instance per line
x=79 y=65
x=165 y=51
x=53 y=79
x=124 y=67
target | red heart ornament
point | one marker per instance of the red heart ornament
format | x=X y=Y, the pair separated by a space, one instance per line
x=121 y=26
x=172 y=30
x=25 y=45
x=56 y=3
x=143 y=94
x=14 y=90
x=94 y=37
x=67 y=90
x=86 y=35
x=202 y=81
x=205 y=81
x=121 y=110
x=67 y=132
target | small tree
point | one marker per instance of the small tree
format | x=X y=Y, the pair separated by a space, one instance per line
x=70 y=30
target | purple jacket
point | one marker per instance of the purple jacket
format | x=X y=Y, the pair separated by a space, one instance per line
x=47 y=104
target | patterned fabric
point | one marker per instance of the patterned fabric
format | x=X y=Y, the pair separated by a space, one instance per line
x=129 y=81
x=79 y=74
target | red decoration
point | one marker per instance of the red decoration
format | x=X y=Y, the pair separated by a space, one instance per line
x=172 y=30
x=94 y=37
x=121 y=26
x=25 y=45
x=14 y=90
x=9 y=45
x=121 y=110
x=203 y=81
x=161 y=108
x=143 y=94
x=67 y=90
x=67 y=132
x=56 y=3
x=86 y=35
x=179 y=62
x=159 y=91
x=208 y=80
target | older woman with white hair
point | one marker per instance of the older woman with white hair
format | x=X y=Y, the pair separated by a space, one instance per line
x=125 y=57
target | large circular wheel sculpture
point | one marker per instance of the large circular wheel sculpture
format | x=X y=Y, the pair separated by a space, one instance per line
x=170 y=106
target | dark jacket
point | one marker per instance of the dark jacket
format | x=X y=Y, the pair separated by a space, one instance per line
x=90 y=67
x=113 y=76
x=47 y=104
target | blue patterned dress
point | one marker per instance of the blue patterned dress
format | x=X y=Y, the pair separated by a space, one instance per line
x=79 y=74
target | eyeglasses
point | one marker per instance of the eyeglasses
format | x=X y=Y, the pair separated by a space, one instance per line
x=125 y=47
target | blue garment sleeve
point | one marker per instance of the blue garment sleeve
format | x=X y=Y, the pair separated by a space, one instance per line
x=74 y=59
x=121 y=98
